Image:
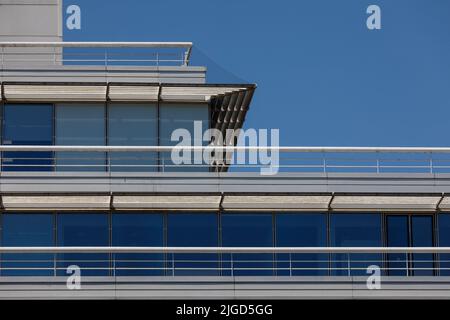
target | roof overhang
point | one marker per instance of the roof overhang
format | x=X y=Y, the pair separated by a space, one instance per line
x=226 y=202
x=126 y=92
x=229 y=103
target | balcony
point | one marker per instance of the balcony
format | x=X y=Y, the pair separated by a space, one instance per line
x=44 y=62
x=220 y=273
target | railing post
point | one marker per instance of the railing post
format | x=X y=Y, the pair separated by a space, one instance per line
x=348 y=264
x=232 y=266
x=290 y=264
x=173 y=265
x=406 y=264
x=114 y=264
x=108 y=160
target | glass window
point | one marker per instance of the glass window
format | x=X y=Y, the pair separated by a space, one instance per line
x=193 y=230
x=410 y=231
x=138 y=229
x=444 y=241
x=133 y=125
x=422 y=236
x=247 y=230
x=28 y=124
x=301 y=230
x=27 y=230
x=83 y=229
x=355 y=230
x=397 y=236
x=182 y=116
x=80 y=125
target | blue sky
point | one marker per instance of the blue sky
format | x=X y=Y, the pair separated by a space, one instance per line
x=323 y=78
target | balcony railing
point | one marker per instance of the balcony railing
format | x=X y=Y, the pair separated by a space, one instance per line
x=95 y=53
x=240 y=159
x=226 y=261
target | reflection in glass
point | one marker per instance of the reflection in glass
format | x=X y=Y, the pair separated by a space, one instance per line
x=182 y=116
x=80 y=125
x=133 y=125
x=355 y=230
x=27 y=124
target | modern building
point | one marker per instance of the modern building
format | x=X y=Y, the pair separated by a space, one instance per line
x=87 y=181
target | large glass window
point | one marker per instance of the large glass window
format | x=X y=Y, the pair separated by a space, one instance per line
x=301 y=230
x=27 y=124
x=133 y=125
x=355 y=230
x=83 y=229
x=193 y=230
x=183 y=116
x=444 y=241
x=247 y=230
x=141 y=230
x=27 y=230
x=410 y=231
x=422 y=236
x=397 y=236
x=80 y=125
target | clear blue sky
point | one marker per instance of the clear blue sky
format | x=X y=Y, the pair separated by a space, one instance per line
x=323 y=78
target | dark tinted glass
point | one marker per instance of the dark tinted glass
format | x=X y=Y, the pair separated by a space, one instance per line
x=422 y=236
x=301 y=230
x=193 y=230
x=444 y=241
x=83 y=229
x=140 y=230
x=27 y=230
x=355 y=230
x=247 y=230
x=28 y=125
x=397 y=236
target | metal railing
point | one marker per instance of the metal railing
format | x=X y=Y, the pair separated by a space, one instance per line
x=95 y=53
x=225 y=261
x=284 y=159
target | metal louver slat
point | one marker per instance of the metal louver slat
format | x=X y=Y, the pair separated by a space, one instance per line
x=49 y=93
x=169 y=202
x=385 y=203
x=133 y=93
x=60 y=202
x=282 y=202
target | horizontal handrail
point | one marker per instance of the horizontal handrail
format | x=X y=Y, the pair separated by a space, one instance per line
x=187 y=46
x=95 y=44
x=229 y=148
x=287 y=158
x=224 y=249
